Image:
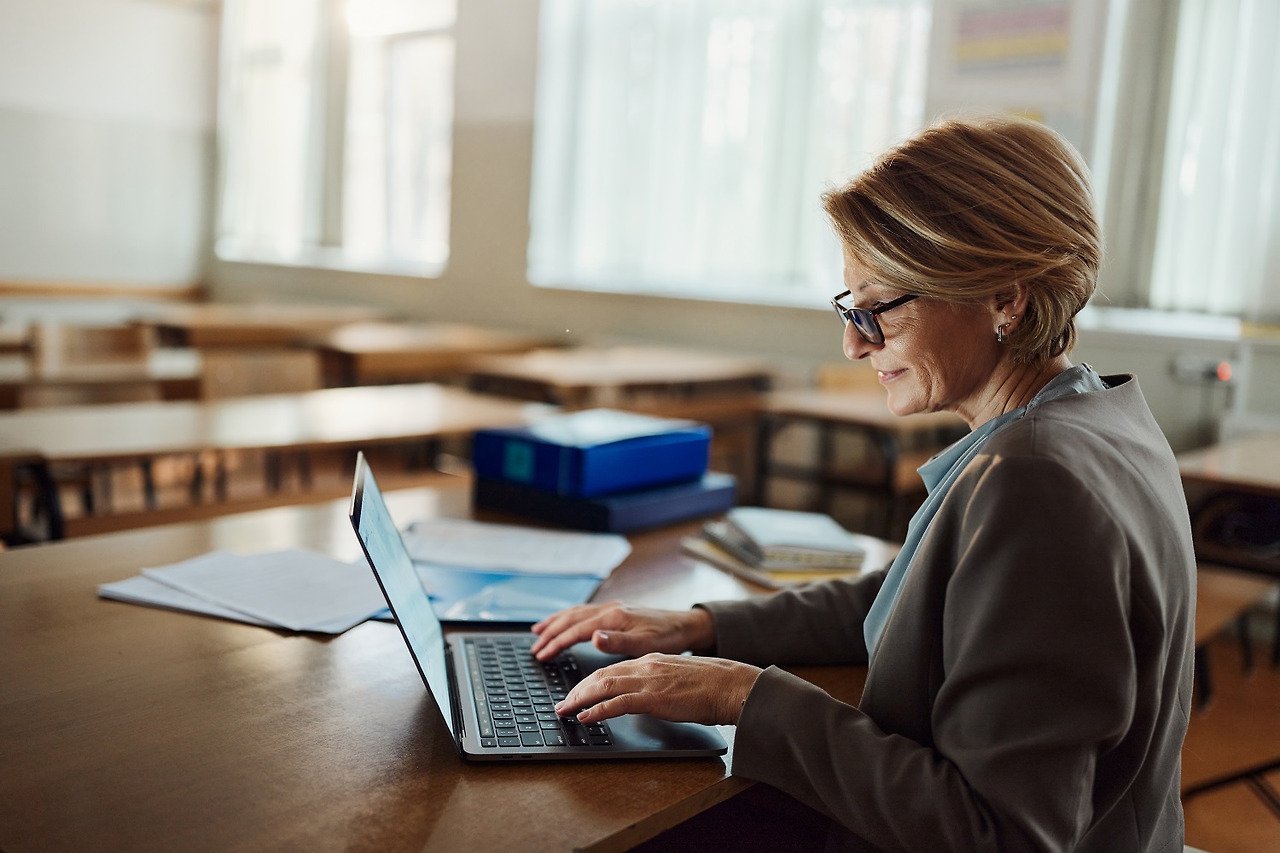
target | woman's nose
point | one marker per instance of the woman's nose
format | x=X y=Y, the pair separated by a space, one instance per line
x=856 y=346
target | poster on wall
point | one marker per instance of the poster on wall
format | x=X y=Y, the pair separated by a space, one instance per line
x=1036 y=58
x=1009 y=35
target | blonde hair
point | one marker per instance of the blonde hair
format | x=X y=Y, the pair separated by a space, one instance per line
x=965 y=209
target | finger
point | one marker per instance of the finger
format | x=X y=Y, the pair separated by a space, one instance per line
x=552 y=645
x=627 y=703
x=606 y=683
x=553 y=625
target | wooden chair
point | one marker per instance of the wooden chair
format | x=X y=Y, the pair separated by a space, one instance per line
x=236 y=372
x=54 y=345
x=1224 y=597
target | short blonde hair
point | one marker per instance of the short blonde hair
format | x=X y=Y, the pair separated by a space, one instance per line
x=966 y=208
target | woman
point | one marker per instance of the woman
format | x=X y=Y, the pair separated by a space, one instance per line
x=1030 y=648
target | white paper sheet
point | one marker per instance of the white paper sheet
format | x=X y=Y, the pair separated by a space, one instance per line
x=510 y=548
x=143 y=590
x=294 y=589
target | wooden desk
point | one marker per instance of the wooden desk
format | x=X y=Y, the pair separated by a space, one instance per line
x=249 y=324
x=306 y=422
x=126 y=727
x=719 y=390
x=375 y=353
x=1250 y=464
x=617 y=376
x=891 y=474
x=167 y=374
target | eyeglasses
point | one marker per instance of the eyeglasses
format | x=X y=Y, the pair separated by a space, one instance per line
x=864 y=319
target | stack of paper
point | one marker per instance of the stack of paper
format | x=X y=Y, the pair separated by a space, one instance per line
x=294 y=590
x=778 y=548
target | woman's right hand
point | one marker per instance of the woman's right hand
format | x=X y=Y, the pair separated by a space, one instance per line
x=622 y=630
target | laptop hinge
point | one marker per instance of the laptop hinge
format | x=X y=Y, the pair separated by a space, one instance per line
x=459 y=725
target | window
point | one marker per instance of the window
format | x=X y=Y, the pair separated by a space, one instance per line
x=682 y=147
x=335 y=132
x=1217 y=244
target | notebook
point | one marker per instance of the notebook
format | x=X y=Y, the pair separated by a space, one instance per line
x=493 y=696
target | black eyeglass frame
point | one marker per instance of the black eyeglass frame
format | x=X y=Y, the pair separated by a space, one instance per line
x=864 y=319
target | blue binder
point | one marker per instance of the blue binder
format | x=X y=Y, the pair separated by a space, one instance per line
x=593 y=453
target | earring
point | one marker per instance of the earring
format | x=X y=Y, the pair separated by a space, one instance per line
x=1002 y=333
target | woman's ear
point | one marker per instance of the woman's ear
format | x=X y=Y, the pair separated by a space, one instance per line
x=1011 y=301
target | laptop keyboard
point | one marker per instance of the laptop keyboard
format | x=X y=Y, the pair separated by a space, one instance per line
x=515 y=696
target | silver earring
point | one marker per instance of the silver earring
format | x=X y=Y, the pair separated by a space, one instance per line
x=1002 y=333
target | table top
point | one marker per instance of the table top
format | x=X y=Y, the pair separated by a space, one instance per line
x=132 y=727
x=583 y=368
x=240 y=324
x=855 y=408
x=374 y=350
x=331 y=418
x=1250 y=462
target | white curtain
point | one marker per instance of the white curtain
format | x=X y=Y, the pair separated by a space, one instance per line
x=682 y=147
x=1218 y=237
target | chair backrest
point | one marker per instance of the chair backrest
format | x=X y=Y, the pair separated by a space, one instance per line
x=56 y=345
x=236 y=372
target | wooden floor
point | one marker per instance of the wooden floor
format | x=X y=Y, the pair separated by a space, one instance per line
x=1240 y=726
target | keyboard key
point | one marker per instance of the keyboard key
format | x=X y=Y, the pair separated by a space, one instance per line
x=575 y=735
x=533 y=738
x=599 y=740
x=553 y=738
x=489 y=743
x=508 y=741
x=549 y=725
x=527 y=727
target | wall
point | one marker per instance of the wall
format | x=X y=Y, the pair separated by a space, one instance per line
x=485 y=281
x=106 y=140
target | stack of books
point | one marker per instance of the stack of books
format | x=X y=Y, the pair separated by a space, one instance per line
x=778 y=548
x=600 y=469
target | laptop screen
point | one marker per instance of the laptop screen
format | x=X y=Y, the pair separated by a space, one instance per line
x=405 y=595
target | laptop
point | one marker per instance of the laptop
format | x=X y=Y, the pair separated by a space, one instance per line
x=495 y=697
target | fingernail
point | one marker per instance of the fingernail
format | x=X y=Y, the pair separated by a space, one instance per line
x=604 y=638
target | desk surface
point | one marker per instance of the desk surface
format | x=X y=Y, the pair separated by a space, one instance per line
x=132 y=727
x=855 y=408
x=250 y=323
x=570 y=373
x=377 y=351
x=331 y=418
x=1251 y=462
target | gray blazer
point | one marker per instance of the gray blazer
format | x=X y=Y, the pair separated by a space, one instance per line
x=1033 y=683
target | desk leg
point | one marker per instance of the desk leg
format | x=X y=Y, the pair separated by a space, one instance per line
x=764 y=447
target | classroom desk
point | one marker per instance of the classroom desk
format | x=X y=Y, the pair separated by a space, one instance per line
x=125 y=727
x=249 y=324
x=719 y=390
x=1251 y=465
x=583 y=377
x=374 y=353
x=866 y=412
x=170 y=374
x=330 y=419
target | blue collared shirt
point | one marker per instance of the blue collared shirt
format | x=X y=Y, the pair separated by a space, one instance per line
x=938 y=475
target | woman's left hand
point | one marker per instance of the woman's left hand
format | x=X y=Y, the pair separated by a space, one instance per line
x=674 y=687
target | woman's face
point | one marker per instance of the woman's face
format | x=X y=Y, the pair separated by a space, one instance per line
x=936 y=356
